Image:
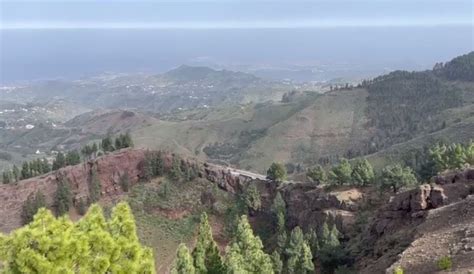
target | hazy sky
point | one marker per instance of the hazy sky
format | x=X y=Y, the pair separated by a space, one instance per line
x=200 y=14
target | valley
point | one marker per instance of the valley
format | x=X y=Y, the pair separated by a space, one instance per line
x=367 y=178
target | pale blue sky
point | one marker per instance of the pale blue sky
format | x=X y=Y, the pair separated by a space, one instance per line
x=199 y=14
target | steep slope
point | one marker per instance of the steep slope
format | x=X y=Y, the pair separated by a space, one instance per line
x=419 y=226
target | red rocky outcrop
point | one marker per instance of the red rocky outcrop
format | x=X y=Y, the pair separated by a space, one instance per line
x=109 y=169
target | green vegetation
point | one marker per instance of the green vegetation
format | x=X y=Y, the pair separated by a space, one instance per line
x=342 y=173
x=396 y=177
x=279 y=212
x=363 y=173
x=398 y=270
x=245 y=253
x=317 y=175
x=452 y=156
x=94 y=186
x=206 y=254
x=92 y=245
x=401 y=104
x=62 y=197
x=460 y=68
x=298 y=253
x=276 y=172
x=28 y=170
x=184 y=261
x=108 y=144
x=33 y=203
x=445 y=263
x=252 y=198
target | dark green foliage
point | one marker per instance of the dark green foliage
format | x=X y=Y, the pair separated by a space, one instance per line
x=396 y=177
x=279 y=212
x=363 y=173
x=206 y=254
x=311 y=238
x=282 y=241
x=445 y=263
x=25 y=171
x=125 y=181
x=184 y=261
x=123 y=141
x=276 y=172
x=73 y=158
x=460 y=68
x=252 y=198
x=59 y=162
x=246 y=253
x=401 y=106
x=452 y=156
x=16 y=171
x=175 y=173
x=107 y=144
x=94 y=186
x=233 y=213
x=276 y=262
x=28 y=170
x=331 y=254
x=298 y=253
x=81 y=206
x=31 y=206
x=62 y=198
x=342 y=173
x=89 y=151
x=7 y=177
x=317 y=175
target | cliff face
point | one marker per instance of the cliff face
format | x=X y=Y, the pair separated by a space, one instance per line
x=406 y=218
x=309 y=206
x=109 y=168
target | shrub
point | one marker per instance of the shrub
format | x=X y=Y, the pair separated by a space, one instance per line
x=445 y=263
x=276 y=172
x=398 y=270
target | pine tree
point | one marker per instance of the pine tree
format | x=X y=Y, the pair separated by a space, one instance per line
x=282 y=241
x=246 y=253
x=94 y=186
x=25 y=171
x=72 y=158
x=92 y=245
x=276 y=172
x=252 y=198
x=16 y=173
x=277 y=263
x=32 y=204
x=175 y=172
x=184 y=261
x=206 y=254
x=363 y=173
x=396 y=177
x=298 y=253
x=342 y=173
x=59 y=162
x=6 y=177
x=317 y=175
x=313 y=242
x=107 y=145
x=279 y=211
x=62 y=198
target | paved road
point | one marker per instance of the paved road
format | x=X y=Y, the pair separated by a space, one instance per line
x=236 y=172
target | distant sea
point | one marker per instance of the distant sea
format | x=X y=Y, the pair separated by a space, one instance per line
x=27 y=55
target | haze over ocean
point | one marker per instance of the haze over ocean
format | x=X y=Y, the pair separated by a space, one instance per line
x=28 y=54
